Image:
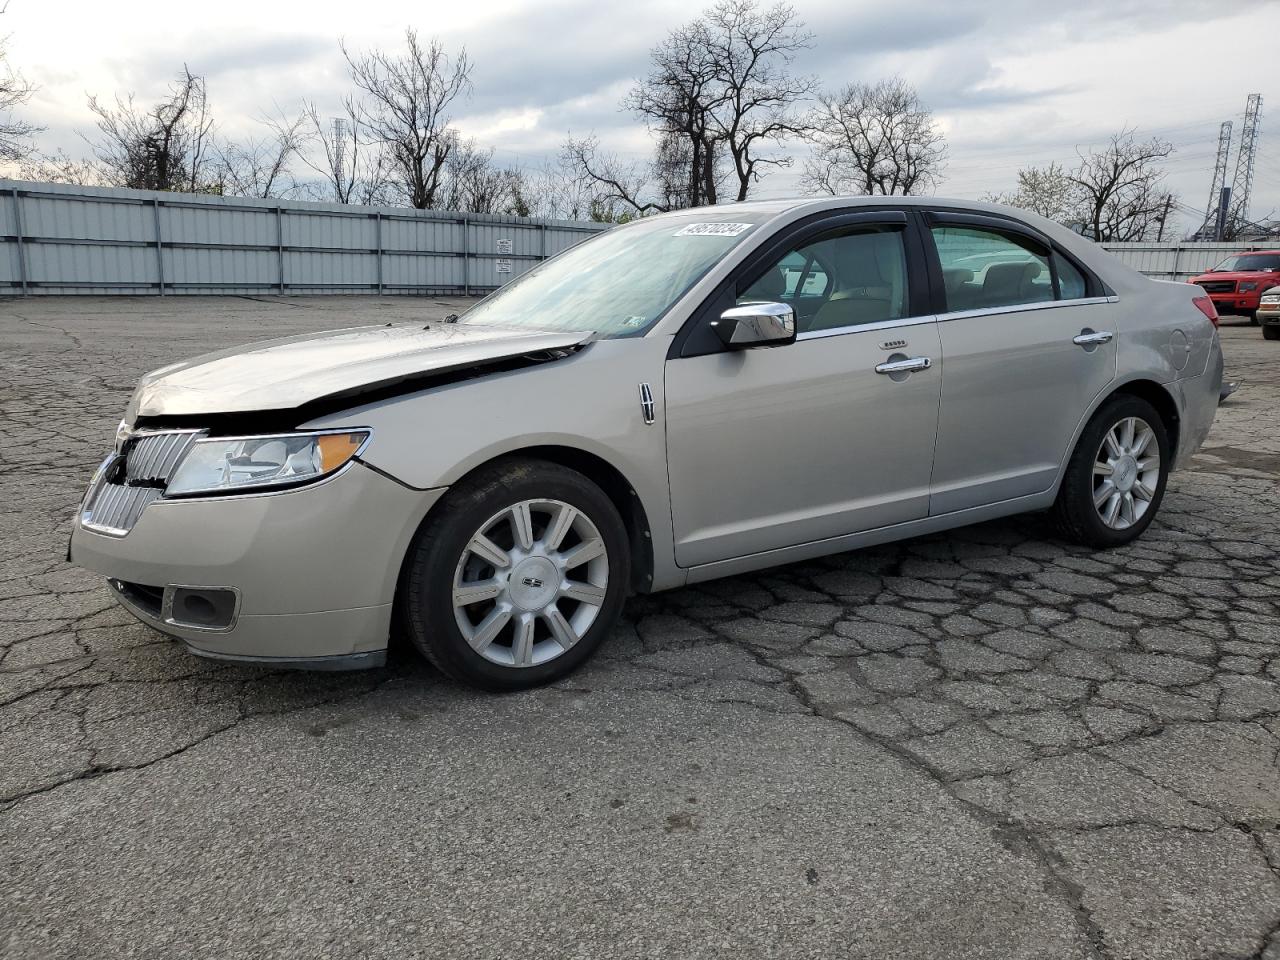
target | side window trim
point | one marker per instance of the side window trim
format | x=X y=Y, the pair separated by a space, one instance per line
x=1022 y=308
x=695 y=338
x=1094 y=287
x=998 y=225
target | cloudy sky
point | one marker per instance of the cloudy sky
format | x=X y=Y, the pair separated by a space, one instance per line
x=1012 y=82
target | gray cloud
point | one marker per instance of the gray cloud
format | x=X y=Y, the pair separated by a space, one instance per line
x=571 y=60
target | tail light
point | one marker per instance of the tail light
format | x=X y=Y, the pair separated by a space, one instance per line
x=1207 y=308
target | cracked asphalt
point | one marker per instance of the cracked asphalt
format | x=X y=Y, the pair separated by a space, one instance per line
x=979 y=744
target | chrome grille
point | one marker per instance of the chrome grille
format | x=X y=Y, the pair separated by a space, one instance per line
x=152 y=457
x=134 y=480
x=116 y=508
x=1218 y=286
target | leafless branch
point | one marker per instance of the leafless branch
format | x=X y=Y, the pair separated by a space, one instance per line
x=405 y=107
x=875 y=139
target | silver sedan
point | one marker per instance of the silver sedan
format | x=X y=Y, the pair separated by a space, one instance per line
x=686 y=397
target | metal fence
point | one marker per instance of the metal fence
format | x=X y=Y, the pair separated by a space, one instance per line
x=61 y=239
x=1178 y=261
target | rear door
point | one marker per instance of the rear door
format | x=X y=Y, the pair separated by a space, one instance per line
x=1029 y=341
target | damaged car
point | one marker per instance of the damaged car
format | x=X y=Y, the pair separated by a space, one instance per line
x=689 y=396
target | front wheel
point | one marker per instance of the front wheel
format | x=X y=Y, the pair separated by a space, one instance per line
x=1271 y=332
x=518 y=577
x=1116 y=476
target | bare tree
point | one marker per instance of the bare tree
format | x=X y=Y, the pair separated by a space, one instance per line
x=1121 y=188
x=875 y=139
x=16 y=135
x=619 y=190
x=721 y=91
x=753 y=51
x=354 y=169
x=1048 y=191
x=260 y=166
x=471 y=181
x=677 y=100
x=405 y=107
x=163 y=147
x=59 y=168
x=558 y=192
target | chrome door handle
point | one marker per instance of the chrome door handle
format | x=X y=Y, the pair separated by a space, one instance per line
x=1088 y=338
x=909 y=365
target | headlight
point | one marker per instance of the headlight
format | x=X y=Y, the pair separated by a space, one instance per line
x=230 y=465
x=1246 y=285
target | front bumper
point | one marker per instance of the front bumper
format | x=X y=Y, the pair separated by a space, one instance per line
x=1241 y=304
x=1269 y=314
x=313 y=569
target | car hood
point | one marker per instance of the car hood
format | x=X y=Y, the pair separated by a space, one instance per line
x=287 y=373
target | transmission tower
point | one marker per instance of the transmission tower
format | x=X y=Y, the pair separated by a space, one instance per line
x=339 y=151
x=1206 y=230
x=1238 y=214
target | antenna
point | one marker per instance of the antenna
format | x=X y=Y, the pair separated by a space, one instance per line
x=1242 y=185
x=1211 y=212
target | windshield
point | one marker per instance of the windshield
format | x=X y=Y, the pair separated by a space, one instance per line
x=1249 y=261
x=618 y=283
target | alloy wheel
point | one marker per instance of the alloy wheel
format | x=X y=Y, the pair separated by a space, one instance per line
x=530 y=582
x=1126 y=473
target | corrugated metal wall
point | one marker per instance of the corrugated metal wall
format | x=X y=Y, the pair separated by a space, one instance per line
x=61 y=239
x=1178 y=261
x=91 y=240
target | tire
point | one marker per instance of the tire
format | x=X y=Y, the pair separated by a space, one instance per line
x=1271 y=332
x=1253 y=318
x=454 y=556
x=1075 y=513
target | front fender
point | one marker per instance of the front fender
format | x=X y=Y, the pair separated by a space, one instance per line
x=589 y=401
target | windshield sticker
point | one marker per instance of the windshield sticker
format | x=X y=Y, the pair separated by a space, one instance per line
x=713 y=230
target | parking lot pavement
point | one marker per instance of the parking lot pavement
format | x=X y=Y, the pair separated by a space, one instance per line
x=979 y=744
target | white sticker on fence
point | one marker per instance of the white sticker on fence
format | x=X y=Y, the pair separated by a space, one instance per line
x=713 y=230
x=502 y=266
x=505 y=245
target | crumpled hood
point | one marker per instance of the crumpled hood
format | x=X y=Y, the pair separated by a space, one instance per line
x=288 y=372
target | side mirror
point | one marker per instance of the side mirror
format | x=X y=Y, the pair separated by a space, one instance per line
x=756 y=325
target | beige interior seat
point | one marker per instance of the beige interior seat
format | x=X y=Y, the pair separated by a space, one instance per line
x=1009 y=283
x=868 y=281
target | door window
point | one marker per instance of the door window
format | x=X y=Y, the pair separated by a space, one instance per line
x=1071 y=282
x=854 y=277
x=983 y=268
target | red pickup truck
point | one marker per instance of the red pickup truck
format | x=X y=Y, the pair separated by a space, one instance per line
x=1236 y=284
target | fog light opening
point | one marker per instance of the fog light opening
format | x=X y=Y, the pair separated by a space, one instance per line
x=211 y=608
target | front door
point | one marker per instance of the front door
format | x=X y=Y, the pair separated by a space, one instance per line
x=1027 y=349
x=779 y=446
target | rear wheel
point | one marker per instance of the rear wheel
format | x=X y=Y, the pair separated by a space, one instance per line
x=1271 y=332
x=518 y=577
x=1116 y=476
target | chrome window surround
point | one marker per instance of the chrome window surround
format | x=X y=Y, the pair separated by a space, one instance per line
x=1024 y=307
x=946 y=317
x=859 y=327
